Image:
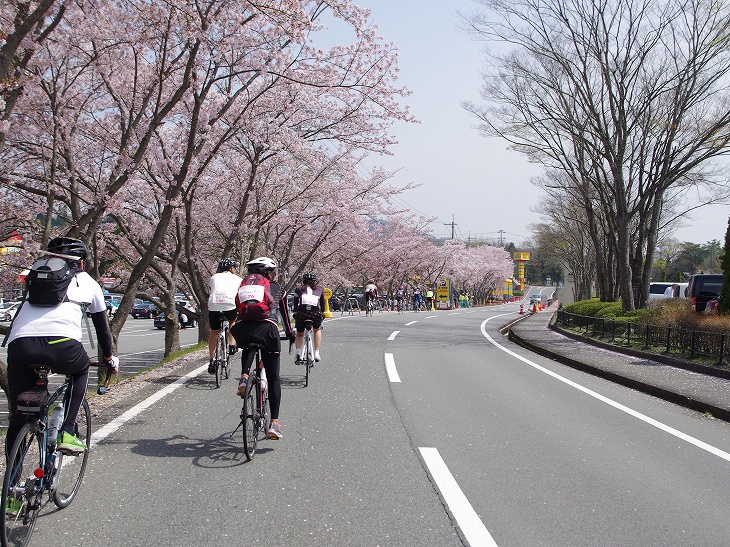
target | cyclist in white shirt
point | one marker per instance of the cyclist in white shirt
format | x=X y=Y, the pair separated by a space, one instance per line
x=51 y=336
x=222 y=304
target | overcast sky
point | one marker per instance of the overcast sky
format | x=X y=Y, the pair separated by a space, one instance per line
x=483 y=185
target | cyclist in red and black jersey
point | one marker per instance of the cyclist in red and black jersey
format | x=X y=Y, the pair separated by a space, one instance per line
x=250 y=329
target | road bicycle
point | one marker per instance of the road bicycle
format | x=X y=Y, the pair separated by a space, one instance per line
x=222 y=356
x=369 y=307
x=255 y=413
x=39 y=472
x=307 y=357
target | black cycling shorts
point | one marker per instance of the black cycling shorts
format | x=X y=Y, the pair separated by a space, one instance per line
x=216 y=318
x=264 y=333
x=303 y=314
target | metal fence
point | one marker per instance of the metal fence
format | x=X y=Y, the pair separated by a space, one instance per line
x=672 y=340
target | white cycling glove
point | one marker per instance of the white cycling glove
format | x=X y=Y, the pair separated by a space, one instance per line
x=113 y=362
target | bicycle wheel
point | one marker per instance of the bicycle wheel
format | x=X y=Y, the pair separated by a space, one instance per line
x=250 y=417
x=70 y=468
x=305 y=358
x=20 y=488
x=219 y=351
x=226 y=356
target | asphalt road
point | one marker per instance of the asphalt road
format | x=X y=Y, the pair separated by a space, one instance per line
x=416 y=429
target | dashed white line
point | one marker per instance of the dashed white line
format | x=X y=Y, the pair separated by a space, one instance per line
x=392 y=336
x=390 y=368
x=409 y=324
x=431 y=316
x=469 y=522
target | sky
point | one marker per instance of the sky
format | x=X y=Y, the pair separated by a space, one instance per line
x=465 y=178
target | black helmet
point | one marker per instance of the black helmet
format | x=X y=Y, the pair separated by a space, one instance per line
x=261 y=264
x=309 y=277
x=67 y=246
x=226 y=264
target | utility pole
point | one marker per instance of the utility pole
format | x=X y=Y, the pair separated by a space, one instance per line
x=501 y=239
x=452 y=224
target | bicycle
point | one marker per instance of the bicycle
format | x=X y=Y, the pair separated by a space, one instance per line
x=37 y=466
x=222 y=357
x=307 y=357
x=369 y=308
x=255 y=413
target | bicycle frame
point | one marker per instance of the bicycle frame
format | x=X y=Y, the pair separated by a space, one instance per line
x=254 y=420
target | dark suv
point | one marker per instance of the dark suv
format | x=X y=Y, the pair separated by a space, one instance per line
x=703 y=288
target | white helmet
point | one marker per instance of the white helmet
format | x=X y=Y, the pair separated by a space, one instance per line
x=261 y=264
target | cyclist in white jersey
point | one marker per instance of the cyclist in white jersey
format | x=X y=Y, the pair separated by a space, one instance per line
x=222 y=305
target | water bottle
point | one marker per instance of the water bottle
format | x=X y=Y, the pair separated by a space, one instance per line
x=54 y=424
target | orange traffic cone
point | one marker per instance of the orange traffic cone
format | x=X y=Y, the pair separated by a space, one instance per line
x=534 y=308
x=522 y=311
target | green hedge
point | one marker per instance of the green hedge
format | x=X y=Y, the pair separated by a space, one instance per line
x=607 y=310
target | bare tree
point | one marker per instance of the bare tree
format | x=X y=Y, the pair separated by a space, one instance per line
x=628 y=98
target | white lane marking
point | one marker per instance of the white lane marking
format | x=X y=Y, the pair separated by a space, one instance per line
x=468 y=520
x=409 y=324
x=390 y=367
x=392 y=336
x=119 y=421
x=431 y=316
x=631 y=412
x=454 y=313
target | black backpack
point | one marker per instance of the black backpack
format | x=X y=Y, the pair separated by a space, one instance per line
x=48 y=280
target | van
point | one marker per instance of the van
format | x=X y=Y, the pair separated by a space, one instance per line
x=657 y=289
x=703 y=288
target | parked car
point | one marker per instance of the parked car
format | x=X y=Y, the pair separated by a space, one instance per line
x=145 y=310
x=535 y=298
x=8 y=311
x=183 y=322
x=703 y=288
x=658 y=288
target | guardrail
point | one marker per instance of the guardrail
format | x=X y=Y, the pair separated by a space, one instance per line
x=691 y=343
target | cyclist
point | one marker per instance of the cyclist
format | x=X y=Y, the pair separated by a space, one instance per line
x=371 y=292
x=399 y=296
x=308 y=304
x=416 y=298
x=265 y=331
x=429 y=298
x=222 y=304
x=51 y=336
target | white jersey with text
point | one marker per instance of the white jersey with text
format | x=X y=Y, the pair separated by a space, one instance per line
x=223 y=290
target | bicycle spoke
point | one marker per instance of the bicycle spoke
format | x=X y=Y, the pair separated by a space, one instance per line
x=70 y=468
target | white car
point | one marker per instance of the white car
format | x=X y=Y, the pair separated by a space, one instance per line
x=8 y=311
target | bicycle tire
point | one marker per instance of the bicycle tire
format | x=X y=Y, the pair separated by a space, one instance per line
x=250 y=417
x=218 y=361
x=226 y=355
x=306 y=357
x=71 y=468
x=27 y=457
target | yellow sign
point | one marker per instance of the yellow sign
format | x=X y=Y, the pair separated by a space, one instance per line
x=521 y=256
x=327 y=295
